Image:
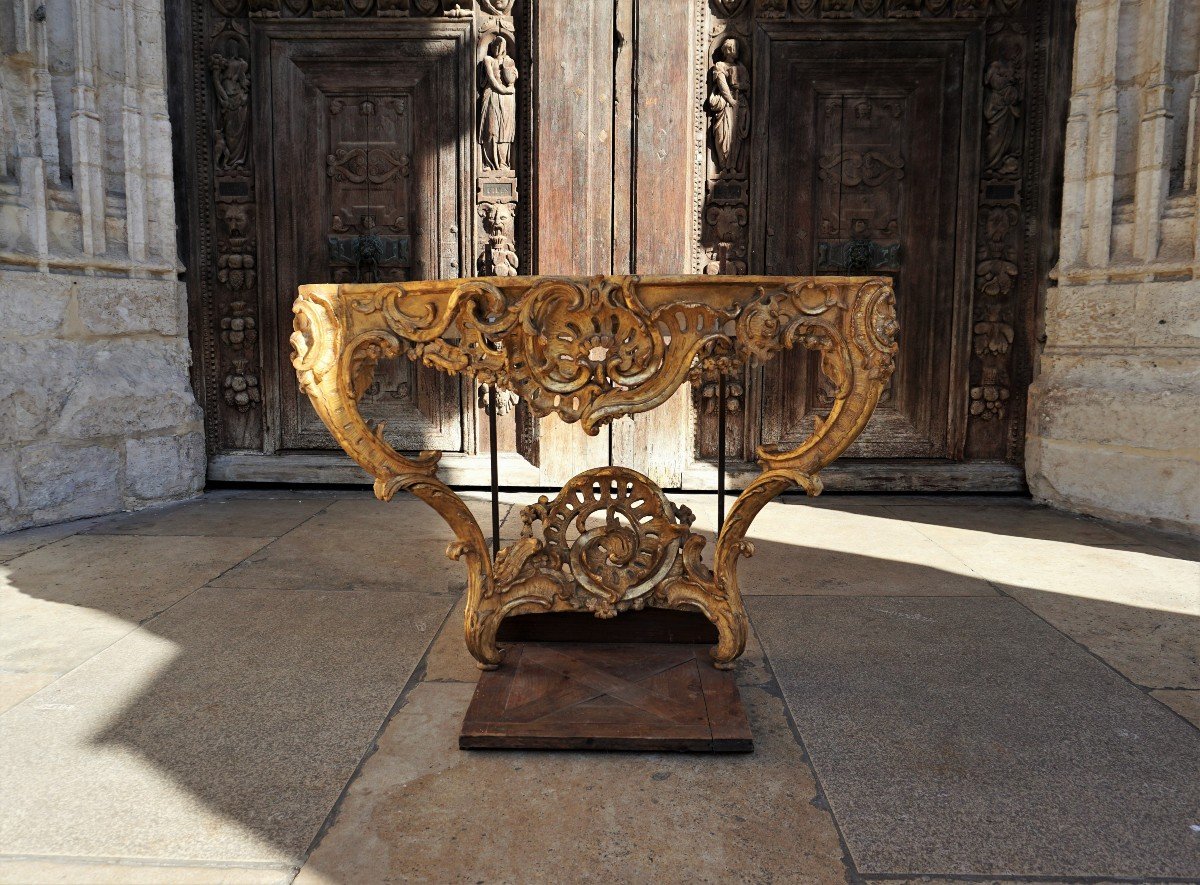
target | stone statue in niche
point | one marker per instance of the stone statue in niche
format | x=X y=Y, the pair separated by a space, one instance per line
x=231 y=84
x=497 y=106
x=729 y=108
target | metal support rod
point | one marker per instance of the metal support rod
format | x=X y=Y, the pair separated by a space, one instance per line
x=720 y=452
x=495 y=465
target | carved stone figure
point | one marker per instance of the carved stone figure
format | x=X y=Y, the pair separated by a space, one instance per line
x=729 y=107
x=497 y=106
x=231 y=85
x=499 y=257
x=1001 y=113
x=503 y=257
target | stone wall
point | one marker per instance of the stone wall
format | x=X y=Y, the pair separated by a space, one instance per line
x=1114 y=427
x=96 y=410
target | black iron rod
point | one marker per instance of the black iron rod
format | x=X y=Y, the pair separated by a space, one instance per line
x=495 y=459
x=720 y=452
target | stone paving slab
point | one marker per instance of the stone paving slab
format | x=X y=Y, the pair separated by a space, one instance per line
x=74 y=872
x=964 y=520
x=1185 y=703
x=62 y=603
x=1154 y=647
x=16 y=544
x=423 y=810
x=223 y=730
x=232 y=517
x=360 y=544
x=1138 y=608
x=865 y=551
x=967 y=737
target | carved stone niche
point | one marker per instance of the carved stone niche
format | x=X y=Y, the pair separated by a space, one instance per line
x=590 y=350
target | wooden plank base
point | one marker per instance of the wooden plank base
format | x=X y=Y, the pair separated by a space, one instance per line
x=647 y=625
x=607 y=696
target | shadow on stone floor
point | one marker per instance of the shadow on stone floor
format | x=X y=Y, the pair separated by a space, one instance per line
x=244 y=712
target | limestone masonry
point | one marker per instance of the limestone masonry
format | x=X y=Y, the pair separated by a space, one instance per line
x=1114 y=417
x=96 y=410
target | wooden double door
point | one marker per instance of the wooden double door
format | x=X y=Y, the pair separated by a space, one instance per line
x=340 y=140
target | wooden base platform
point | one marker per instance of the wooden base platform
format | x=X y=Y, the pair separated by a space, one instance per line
x=607 y=696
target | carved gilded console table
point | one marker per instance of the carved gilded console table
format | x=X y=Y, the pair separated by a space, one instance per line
x=591 y=350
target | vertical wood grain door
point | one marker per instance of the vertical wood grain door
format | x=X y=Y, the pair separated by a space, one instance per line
x=862 y=174
x=346 y=139
x=365 y=165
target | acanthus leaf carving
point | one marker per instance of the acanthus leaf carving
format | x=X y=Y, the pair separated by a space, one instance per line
x=593 y=349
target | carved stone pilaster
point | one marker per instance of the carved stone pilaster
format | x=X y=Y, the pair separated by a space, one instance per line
x=498 y=151
x=723 y=129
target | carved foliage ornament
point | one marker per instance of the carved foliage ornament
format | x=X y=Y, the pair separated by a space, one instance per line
x=591 y=350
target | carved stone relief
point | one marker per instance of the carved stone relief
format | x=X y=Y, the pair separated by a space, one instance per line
x=231 y=89
x=496 y=81
x=998 y=241
x=727 y=107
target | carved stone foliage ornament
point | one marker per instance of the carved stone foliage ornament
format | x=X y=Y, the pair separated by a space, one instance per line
x=592 y=350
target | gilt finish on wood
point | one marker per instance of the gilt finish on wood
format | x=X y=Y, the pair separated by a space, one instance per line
x=591 y=350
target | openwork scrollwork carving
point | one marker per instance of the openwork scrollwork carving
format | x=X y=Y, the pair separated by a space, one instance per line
x=591 y=350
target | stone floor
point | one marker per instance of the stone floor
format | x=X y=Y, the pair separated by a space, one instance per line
x=267 y=686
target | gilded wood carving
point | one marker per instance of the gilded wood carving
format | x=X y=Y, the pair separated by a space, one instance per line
x=591 y=350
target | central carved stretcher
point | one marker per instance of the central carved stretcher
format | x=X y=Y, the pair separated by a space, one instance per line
x=591 y=350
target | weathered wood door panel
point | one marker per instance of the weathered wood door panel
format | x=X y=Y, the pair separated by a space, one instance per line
x=365 y=164
x=862 y=175
x=920 y=137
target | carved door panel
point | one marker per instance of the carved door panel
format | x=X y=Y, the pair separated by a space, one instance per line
x=365 y=166
x=862 y=172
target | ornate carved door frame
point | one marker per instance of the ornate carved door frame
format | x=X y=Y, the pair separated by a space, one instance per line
x=217 y=86
x=1008 y=231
